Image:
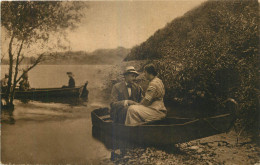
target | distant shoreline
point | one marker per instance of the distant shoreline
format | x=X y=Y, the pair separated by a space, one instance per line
x=97 y=57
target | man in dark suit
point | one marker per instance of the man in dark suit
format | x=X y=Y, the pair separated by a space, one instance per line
x=71 y=80
x=125 y=94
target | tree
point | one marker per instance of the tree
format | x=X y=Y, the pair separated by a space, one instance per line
x=30 y=22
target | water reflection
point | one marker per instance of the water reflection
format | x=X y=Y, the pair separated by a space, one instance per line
x=55 y=130
x=7 y=116
x=44 y=109
x=72 y=101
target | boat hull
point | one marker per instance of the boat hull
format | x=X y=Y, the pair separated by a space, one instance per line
x=46 y=93
x=164 y=132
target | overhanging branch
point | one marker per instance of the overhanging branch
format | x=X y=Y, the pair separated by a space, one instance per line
x=38 y=60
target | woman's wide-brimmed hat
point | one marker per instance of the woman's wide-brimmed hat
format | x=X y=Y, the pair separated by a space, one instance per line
x=130 y=69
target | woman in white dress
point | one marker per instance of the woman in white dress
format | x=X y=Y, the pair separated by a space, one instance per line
x=152 y=106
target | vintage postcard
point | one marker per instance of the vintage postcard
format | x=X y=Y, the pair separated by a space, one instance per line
x=130 y=82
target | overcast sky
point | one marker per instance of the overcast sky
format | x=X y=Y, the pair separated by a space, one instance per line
x=113 y=24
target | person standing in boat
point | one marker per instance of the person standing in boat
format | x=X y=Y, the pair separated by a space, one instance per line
x=4 y=83
x=24 y=83
x=71 y=83
x=152 y=106
x=125 y=94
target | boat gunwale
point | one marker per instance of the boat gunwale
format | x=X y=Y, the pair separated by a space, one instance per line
x=144 y=124
x=48 y=89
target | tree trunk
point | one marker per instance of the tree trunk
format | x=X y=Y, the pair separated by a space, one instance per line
x=9 y=87
x=16 y=73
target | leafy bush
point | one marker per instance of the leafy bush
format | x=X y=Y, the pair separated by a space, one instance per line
x=209 y=55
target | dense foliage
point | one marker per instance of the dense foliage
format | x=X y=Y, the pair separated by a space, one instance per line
x=32 y=21
x=209 y=55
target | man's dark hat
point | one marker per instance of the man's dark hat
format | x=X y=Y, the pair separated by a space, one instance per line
x=70 y=73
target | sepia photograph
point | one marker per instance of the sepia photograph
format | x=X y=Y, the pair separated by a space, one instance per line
x=130 y=82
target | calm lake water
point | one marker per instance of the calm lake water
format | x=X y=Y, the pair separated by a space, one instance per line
x=55 y=133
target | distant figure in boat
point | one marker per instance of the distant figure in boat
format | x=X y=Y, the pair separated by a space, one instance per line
x=152 y=106
x=71 y=81
x=125 y=94
x=24 y=83
x=4 y=83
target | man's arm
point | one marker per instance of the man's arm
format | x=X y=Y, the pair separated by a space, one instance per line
x=139 y=97
x=114 y=99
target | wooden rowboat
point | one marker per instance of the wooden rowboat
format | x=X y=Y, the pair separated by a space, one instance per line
x=167 y=131
x=45 y=93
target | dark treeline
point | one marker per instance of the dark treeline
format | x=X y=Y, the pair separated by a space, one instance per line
x=99 y=56
x=215 y=47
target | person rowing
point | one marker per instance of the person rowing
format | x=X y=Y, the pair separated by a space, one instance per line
x=71 y=83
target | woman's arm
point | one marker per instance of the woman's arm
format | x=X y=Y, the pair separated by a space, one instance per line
x=149 y=95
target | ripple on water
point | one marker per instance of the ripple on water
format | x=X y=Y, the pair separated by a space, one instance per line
x=35 y=110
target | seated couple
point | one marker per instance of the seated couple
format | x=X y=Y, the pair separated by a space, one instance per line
x=129 y=107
